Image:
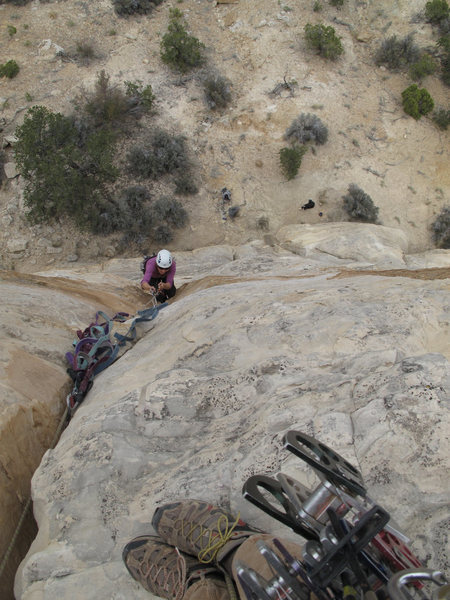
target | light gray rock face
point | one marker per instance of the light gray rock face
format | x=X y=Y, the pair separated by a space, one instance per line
x=271 y=342
x=338 y=243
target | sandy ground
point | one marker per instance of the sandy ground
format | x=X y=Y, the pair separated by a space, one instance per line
x=402 y=164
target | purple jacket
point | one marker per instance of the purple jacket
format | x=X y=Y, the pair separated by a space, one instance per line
x=151 y=271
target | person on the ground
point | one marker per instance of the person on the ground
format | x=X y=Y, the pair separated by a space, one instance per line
x=196 y=553
x=159 y=276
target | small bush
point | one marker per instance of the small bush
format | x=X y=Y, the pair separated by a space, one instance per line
x=129 y=212
x=217 y=91
x=337 y=2
x=162 y=234
x=444 y=46
x=180 y=50
x=426 y=65
x=305 y=128
x=324 y=40
x=317 y=7
x=441 y=229
x=11 y=30
x=436 y=11
x=164 y=153
x=106 y=104
x=416 y=101
x=359 y=205
x=140 y=95
x=185 y=185
x=135 y=197
x=397 y=54
x=442 y=118
x=290 y=160
x=169 y=211
x=124 y=8
x=85 y=51
x=110 y=217
x=444 y=43
x=9 y=69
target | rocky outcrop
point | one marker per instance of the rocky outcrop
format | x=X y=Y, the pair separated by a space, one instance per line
x=258 y=341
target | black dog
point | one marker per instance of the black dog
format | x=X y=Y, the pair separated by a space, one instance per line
x=309 y=204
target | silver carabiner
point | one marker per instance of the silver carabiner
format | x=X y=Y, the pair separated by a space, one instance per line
x=397 y=583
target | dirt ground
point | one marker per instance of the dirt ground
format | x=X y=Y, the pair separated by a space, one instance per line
x=401 y=163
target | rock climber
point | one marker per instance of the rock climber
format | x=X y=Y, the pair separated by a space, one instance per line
x=159 y=276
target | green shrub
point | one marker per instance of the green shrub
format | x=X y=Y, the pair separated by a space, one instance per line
x=65 y=174
x=317 y=7
x=217 y=91
x=179 y=49
x=162 y=235
x=426 y=65
x=436 y=11
x=396 y=53
x=106 y=105
x=337 y=2
x=140 y=95
x=135 y=197
x=444 y=46
x=416 y=101
x=85 y=51
x=9 y=69
x=11 y=30
x=324 y=40
x=441 y=229
x=185 y=185
x=124 y=8
x=443 y=43
x=169 y=211
x=359 y=205
x=110 y=217
x=305 y=128
x=163 y=153
x=442 y=118
x=290 y=160
x=128 y=212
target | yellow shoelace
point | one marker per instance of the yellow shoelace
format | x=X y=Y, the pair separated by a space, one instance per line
x=216 y=539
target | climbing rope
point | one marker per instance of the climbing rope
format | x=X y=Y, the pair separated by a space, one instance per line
x=28 y=502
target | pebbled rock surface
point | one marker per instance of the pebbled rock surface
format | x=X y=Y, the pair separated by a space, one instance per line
x=259 y=341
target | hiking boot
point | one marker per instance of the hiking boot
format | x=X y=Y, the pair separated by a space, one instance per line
x=201 y=529
x=161 y=569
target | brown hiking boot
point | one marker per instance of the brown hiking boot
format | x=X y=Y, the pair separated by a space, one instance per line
x=201 y=529
x=163 y=570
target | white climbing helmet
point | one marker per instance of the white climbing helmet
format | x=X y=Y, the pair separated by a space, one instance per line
x=164 y=259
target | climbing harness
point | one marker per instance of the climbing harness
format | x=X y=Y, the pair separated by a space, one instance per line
x=352 y=551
